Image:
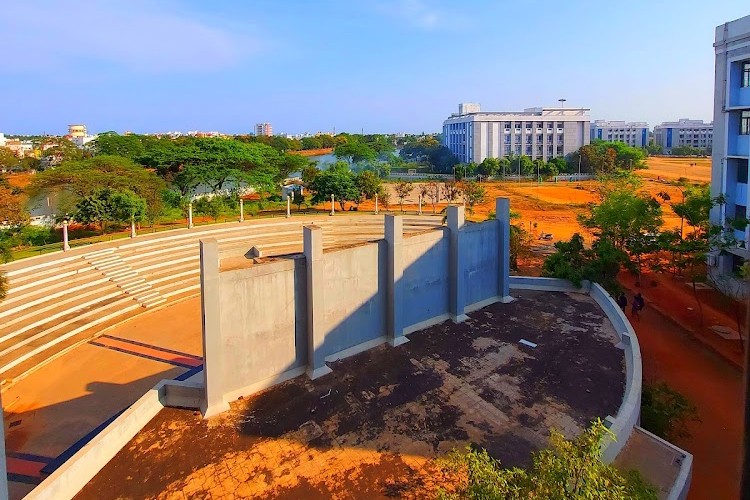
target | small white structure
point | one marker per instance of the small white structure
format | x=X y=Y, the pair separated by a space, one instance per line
x=288 y=191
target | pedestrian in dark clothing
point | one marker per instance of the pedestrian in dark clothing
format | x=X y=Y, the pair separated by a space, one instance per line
x=638 y=304
x=622 y=301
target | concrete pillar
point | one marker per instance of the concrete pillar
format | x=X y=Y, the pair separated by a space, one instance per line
x=333 y=206
x=132 y=227
x=502 y=213
x=288 y=207
x=242 y=210
x=376 y=204
x=66 y=244
x=420 y=204
x=213 y=343
x=456 y=219
x=312 y=240
x=394 y=237
x=190 y=216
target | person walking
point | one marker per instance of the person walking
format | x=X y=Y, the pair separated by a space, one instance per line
x=622 y=301
x=638 y=304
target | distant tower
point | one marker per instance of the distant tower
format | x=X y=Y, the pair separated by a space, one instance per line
x=264 y=129
x=77 y=130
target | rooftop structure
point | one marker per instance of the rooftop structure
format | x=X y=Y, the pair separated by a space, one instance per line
x=545 y=133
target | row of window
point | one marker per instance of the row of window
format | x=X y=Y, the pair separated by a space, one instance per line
x=746 y=74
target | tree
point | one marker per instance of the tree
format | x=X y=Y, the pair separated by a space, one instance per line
x=666 y=412
x=96 y=208
x=473 y=193
x=128 y=206
x=298 y=198
x=433 y=193
x=623 y=214
x=214 y=206
x=368 y=184
x=83 y=178
x=489 y=166
x=653 y=149
x=355 y=151
x=8 y=160
x=12 y=212
x=403 y=188
x=567 y=469
x=451 y=191
x=574 y=262
x=338 y=180
x=309 y=173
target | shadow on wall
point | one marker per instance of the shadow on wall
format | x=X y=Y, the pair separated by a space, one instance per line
x=275 y=321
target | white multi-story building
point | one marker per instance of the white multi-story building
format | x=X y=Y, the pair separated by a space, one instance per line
x=684 y=132
x=543 y=133
x=731 y=150
x=2 y=140
x=633 y=134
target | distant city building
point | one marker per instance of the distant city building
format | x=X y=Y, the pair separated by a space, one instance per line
x=731 y=149
x=684 y=132
x=633 y=134
x=2 y=140
x=264 y=129
x=543 y=133
x=77 y=131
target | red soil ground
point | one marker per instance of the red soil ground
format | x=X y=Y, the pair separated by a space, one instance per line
x=681 y=358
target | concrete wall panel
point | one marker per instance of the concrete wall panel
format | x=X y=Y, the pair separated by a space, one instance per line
x=355 y=295
x=262 y=329
x=425 y=281
x=479 y=252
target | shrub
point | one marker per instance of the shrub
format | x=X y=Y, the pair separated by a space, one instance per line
x=666 y=412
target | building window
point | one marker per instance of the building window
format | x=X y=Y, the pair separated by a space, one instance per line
x=745 y=123
x=746 y=74
x=742 y=171
x=528 y=150
x=507 y=150
x=740 y=211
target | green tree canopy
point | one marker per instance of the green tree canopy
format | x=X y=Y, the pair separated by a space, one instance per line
x=338 y=180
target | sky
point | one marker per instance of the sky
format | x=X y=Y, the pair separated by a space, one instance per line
x=381 y=66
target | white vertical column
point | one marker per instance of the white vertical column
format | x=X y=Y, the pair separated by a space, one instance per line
x=502 y=211
x=376 y=204
x=190 y=215
x=420 y=204
x=242 y=210
x=456 y=219
x=312 y=240
x=394 y=237
x=132 y=227
x=213 y=343
x=288 y=207
x=333 y=206
x=66 y=244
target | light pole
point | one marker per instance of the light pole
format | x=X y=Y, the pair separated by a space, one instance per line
x=562 y=102
x=66 y=245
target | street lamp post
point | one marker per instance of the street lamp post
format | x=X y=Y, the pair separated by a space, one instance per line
x=66 y=245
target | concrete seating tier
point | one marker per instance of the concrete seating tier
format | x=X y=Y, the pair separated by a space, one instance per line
x=58 y=301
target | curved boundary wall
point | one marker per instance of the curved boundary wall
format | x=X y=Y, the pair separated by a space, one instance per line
x=628 y=415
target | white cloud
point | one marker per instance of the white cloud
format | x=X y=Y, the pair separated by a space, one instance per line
x=136 y=35
x=416 y=12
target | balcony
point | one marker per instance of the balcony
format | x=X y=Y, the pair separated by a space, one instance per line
x=739 y=97
x=739 y=146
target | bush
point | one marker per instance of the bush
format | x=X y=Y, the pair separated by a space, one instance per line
x=568 y=469
x=666 y=412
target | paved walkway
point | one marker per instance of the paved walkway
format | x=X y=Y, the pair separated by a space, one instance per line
x=671 y=354
x=62 y=402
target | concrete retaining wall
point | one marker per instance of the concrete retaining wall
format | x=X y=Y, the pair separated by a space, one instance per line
x=265 y=324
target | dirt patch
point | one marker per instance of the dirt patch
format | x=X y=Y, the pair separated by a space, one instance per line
x=374 y=427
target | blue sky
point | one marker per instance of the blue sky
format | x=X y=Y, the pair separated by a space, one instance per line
x=381 y=65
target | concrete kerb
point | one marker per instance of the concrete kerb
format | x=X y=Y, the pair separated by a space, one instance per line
x=681 y=484
x=73 y=475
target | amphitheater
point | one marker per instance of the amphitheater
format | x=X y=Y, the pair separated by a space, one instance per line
x=58 y=302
